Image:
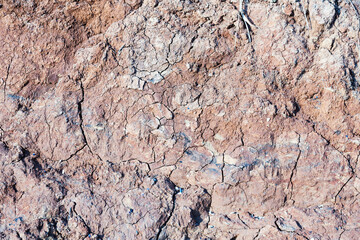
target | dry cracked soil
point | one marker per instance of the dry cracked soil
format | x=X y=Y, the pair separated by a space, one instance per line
x=179 y=119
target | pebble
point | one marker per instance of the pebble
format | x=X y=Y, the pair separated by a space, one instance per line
x=155 y=180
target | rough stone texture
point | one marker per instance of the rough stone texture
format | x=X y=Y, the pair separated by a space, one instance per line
x=160 y=120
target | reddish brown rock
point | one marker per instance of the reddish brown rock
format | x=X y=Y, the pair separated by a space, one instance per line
x=161 y=120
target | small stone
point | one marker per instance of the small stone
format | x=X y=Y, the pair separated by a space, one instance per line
x=322 y=12
x=288 y=10
x=327 y=43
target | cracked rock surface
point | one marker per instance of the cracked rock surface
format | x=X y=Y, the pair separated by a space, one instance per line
x=160 y=119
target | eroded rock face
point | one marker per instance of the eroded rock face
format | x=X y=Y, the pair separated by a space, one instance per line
x=160 y=120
